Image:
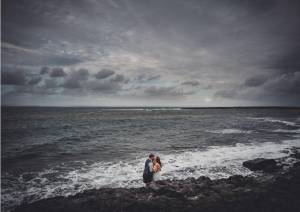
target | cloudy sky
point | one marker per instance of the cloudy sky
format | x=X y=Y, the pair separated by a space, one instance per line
x=150 y=52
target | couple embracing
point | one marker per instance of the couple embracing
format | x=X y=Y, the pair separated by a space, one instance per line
x=152 y=169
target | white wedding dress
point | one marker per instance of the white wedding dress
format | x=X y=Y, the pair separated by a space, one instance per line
x=156 y=176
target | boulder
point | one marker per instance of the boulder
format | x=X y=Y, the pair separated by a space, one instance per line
x=261 y=164
x=296 y=155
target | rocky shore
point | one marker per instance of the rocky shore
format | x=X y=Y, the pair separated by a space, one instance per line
x=276 y=189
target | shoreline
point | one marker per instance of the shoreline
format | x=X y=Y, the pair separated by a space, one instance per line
x=277 y=189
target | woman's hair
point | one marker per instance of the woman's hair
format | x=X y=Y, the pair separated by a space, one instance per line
x=158 y=160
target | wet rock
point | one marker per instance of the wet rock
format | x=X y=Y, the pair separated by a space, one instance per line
x=261 y=164
x=276 y=192
x=297 y=164
x=296 y=155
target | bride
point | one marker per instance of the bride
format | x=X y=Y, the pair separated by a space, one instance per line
x=156 y=168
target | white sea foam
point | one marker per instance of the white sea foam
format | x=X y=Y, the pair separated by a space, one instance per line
x=230 y=131
x=142 y=109
x=268 y=119
x=214 y=162
x=287 y=131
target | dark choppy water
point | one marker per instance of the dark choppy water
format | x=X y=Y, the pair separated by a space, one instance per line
x=61 y=151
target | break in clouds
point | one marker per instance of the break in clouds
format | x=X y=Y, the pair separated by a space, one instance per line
x=151 y=53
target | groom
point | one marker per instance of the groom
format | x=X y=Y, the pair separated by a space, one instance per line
x=148 y=170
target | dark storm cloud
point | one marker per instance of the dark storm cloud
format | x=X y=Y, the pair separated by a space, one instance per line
x=155 y=77
x=76 y=79
x=106 y=87
x=171 y=91
x=228 y=49
x=195 y=84
x=77 y=82
x=287 y=62
x=57 y=72
x=50 y=83
x=81 y=74
x=255 y=81
x=282 y=89
x=119 y=78
x=111 y=85
x=287 y=84
x=146 y=77
x=44 y=70
x=35 y=80
x=63 y=61
x=104 y=73
x=227 y=93
x=13 y=77
x=29 y=16
x=191 y=83
x=72 y=84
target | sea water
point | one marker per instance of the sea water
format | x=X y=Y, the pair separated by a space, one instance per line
x=49 y=152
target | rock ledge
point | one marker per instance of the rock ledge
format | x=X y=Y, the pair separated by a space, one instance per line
x=279 y=191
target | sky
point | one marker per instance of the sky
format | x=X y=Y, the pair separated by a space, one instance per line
x=195 y=53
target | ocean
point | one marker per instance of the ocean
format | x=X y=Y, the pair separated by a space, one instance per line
x=54 y=151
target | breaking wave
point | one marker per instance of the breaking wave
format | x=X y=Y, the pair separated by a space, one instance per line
x=214 y=162
x=267 y=119
x=297 y=131
x=230 y=131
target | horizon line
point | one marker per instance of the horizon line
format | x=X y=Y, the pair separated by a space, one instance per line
x=180 y=107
